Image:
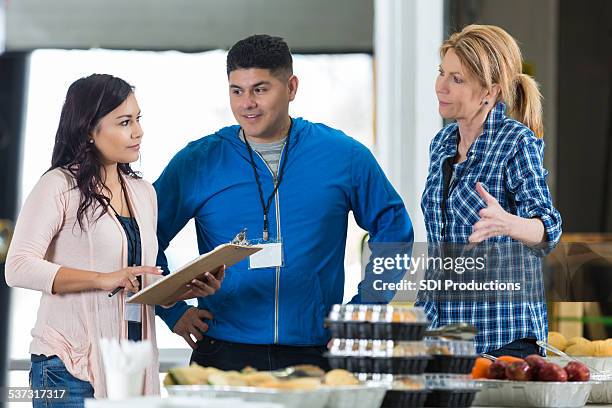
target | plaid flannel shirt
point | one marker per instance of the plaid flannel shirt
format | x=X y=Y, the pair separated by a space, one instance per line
x=507 y=159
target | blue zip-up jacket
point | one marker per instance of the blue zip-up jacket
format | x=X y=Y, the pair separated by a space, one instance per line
x=327 y=175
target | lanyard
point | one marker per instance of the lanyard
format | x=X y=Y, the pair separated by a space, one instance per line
x=265 y=206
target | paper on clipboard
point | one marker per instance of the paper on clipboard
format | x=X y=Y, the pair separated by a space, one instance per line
x=172 y=286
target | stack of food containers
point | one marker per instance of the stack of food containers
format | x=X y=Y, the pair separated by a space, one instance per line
x=386 y=343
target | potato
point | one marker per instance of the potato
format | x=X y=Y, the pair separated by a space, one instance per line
x=557 y=340
x=601 y=348
x=581 y=349
x=577 y=340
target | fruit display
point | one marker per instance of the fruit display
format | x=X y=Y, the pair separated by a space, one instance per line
x=595 y=353
x=531 y=382
x=542 y=394
x=601 y=393
x=532 y=368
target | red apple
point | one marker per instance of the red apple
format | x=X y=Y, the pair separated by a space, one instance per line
x=497 y=370
x=518 y=371
x=535 y=362
x=577 y=371
x=552 y=372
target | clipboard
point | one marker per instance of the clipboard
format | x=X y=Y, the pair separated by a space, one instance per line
x=167 y=289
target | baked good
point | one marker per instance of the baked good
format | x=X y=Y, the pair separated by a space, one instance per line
x=339 y=378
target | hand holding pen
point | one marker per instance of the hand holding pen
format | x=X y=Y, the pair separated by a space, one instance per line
x=126 y=278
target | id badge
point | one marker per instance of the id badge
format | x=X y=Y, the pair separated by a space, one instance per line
x=270 y=256
x=132 y=311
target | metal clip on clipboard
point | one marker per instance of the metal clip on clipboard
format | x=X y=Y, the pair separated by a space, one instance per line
x=241 y=238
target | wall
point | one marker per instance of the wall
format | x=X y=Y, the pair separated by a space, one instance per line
x=313 y=25
x=585 y=84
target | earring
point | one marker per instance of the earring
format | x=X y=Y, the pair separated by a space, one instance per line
x=486 y=102
x=91 y=141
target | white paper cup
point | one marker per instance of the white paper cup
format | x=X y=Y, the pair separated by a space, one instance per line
x=121 y=384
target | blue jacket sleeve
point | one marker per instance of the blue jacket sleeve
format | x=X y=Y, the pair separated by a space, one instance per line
x=378 y=209
x=176 y=189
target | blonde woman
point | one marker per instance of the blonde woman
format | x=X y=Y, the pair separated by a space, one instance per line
x=486 y=179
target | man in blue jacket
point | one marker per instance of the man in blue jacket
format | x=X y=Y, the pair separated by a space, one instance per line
x=292 y=184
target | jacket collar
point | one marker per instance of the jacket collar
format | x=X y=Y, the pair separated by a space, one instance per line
x=232 y=133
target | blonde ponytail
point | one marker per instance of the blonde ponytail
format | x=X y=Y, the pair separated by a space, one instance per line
x=527 y=106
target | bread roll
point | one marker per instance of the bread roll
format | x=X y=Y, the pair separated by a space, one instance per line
x=340 y=377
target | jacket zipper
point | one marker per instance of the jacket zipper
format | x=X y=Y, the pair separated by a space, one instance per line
x=278 y=237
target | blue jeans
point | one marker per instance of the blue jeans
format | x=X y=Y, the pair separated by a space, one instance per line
x=520 y=348
x=52 y=373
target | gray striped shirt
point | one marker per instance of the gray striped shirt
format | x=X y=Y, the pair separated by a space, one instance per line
x=270 y=152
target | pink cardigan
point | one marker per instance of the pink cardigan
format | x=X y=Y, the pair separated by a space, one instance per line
x=48 y=236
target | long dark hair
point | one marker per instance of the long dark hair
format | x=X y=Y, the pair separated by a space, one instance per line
x=87 y=101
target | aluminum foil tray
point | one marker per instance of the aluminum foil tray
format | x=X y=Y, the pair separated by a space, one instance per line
x=508 y=393
x=600 y=393
x=357 y=396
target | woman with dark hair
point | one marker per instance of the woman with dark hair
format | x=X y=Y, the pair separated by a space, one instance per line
x=87 y=228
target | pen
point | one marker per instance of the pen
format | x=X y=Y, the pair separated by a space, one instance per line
x=114 y=292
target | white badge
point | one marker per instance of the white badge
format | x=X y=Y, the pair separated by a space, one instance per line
x=132 y=311
x=271 y=255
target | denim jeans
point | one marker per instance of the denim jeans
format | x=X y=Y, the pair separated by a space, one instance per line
x=225 y=355
x=52 y=373
x=520 y=348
